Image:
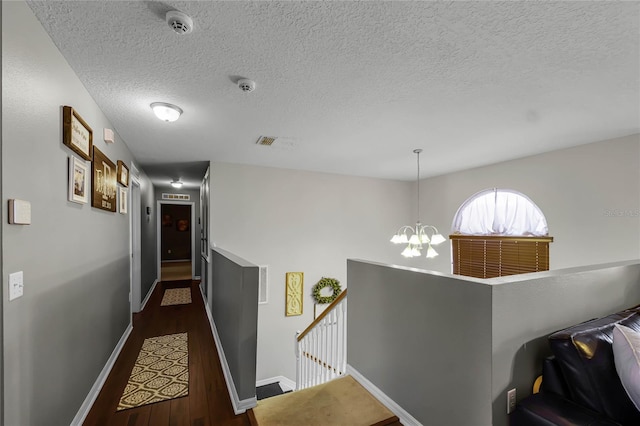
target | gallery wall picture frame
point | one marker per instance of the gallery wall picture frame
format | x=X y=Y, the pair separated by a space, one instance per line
x=78 y=180
x=293 y=296
x=123 y=173
x=76 y=133
x=103 y=182
x=122 y=203
x=182 y=225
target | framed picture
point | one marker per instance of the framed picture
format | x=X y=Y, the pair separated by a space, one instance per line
x=293 y=285
x=122 y=205
x=182 y=225
x=78 y=181
x=103 y=183
x=167 y=221
x=123 y=173
x=76 y=133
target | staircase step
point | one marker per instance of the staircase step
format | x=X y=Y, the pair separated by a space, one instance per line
x=267 y=391
x=342 y=401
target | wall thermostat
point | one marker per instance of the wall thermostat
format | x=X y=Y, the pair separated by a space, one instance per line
x=19 y=212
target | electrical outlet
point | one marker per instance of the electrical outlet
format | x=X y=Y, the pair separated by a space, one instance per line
x=16 y=285
x=511 y=400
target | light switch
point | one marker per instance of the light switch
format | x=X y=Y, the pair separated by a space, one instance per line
x=16 y=285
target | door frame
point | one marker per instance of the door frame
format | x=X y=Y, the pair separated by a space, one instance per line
x=135 y=243
x=159 y=204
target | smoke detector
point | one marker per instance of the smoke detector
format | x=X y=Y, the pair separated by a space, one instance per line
x=179 y=22
x=246 y=85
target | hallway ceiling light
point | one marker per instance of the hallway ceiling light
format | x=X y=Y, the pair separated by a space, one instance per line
x=416 y=237
x=165 y=111
x=176 y=183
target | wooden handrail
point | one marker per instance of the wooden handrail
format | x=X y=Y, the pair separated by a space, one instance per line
x=323 y=314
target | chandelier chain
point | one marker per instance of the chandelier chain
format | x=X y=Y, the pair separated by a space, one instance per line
x=418 y=186
x=416 y=237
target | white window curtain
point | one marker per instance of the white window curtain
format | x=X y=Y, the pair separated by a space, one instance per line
x=499 y=212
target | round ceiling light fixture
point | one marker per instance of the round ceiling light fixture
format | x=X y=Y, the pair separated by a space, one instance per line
x=176 y=183
x=165 y=111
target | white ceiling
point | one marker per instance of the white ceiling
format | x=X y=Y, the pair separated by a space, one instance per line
x=354 y=87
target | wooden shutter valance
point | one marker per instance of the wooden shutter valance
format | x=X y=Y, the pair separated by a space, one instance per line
x=489 y=256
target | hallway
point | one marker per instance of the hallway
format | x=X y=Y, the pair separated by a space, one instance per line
x=208 y=400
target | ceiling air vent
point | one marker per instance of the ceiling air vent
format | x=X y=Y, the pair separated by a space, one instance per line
x=179 y=22
x=266 y=140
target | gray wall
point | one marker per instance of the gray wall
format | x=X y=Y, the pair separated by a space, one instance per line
x=234 y=306
x=447 y=348
x=148 y=248
x=424 y=339
x=75 y=258
x=195 y=198
x=527 y=308
x=1 y=268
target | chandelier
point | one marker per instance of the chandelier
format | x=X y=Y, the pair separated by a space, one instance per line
x=416 y=237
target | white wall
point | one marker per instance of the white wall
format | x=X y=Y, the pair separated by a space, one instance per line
x=301 y=221
x=589 y=194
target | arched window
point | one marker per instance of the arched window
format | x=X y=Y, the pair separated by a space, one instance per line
x=499 y=232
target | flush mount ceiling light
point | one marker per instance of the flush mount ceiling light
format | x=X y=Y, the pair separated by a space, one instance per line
x=165 y=111
x=416 y=237
x=176 y=183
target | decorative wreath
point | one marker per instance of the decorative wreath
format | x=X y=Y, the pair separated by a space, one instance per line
x=326 y=282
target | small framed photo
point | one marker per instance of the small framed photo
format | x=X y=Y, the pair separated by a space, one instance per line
x=76 y=133
x=182 y=225
x=122 y=206
x=104 y=189
x=78 y=181
x=123 y=173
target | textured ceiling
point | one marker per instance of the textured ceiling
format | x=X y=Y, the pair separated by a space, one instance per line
x=354 y=87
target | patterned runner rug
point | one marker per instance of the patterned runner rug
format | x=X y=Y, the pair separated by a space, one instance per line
x=176 y=296
x=161 y=372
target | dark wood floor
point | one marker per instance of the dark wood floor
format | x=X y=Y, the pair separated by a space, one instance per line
x=208 y=400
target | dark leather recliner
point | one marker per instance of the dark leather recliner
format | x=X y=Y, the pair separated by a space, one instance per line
x=580 y=385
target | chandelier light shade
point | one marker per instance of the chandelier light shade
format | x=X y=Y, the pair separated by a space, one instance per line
x=420 y=235
x=165 y=111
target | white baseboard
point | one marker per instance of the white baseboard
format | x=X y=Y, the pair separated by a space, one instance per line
x=285 y=383
x=102 y=377
x=405 y=418
x=239 y=406
x=149 y=293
